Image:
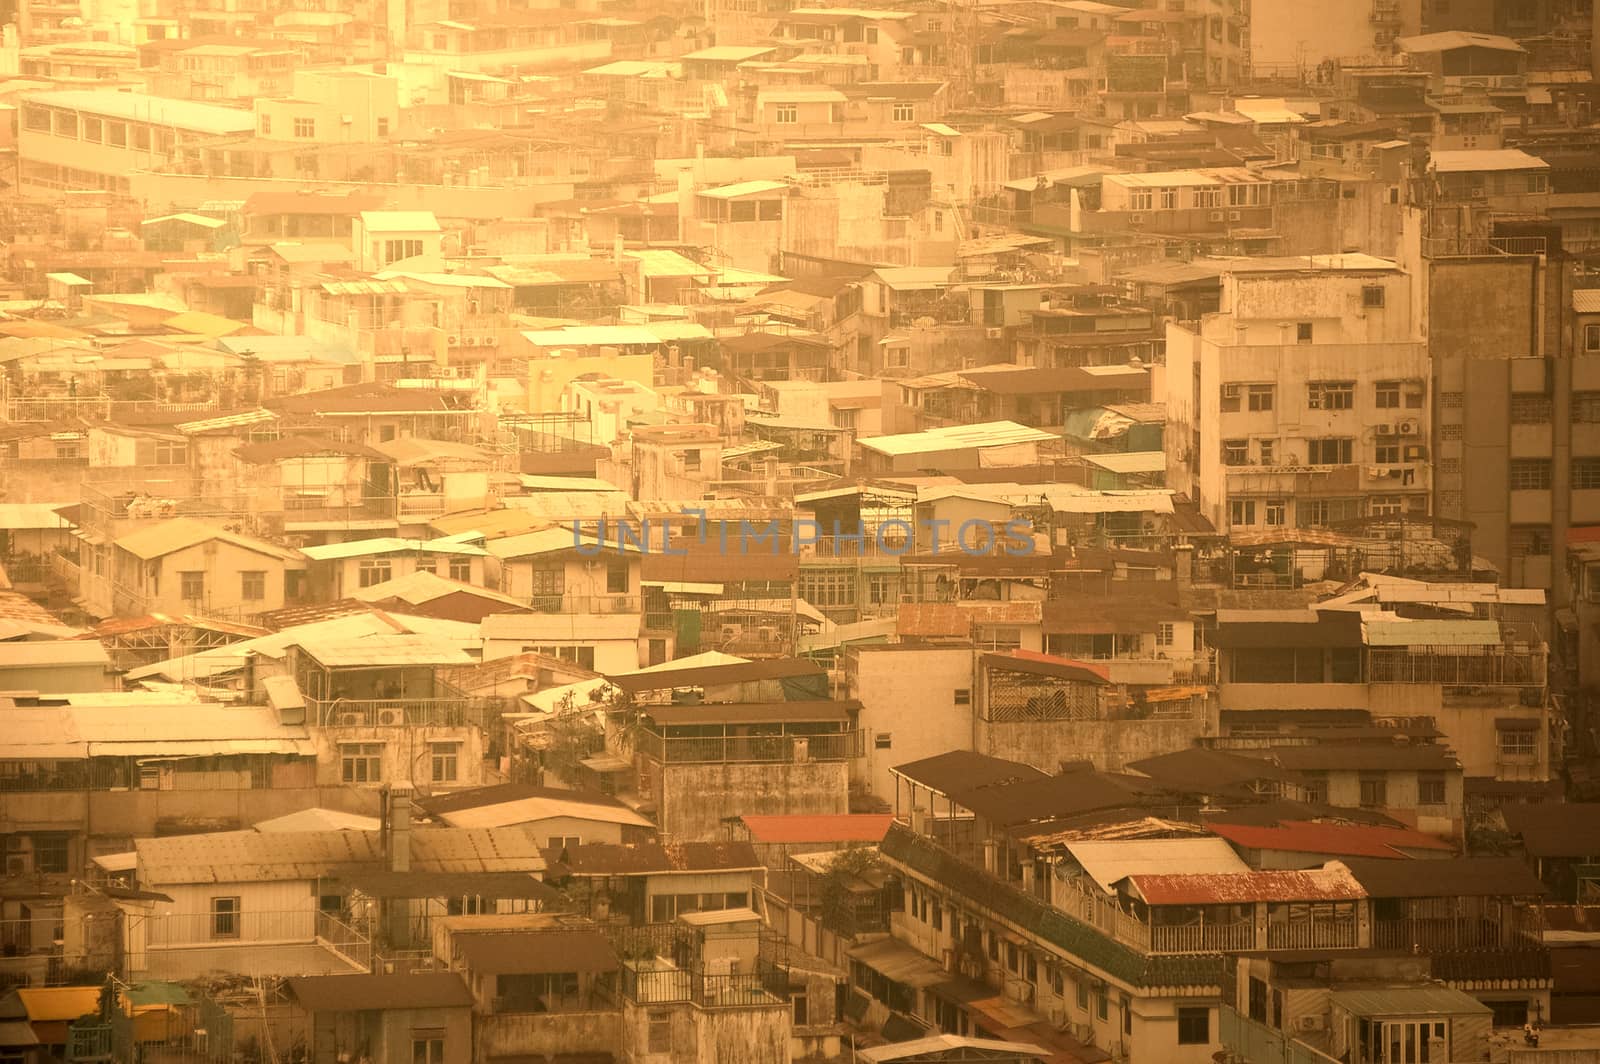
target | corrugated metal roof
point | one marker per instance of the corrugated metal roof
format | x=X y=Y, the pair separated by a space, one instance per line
x=1110 y=862
x=1438 y=1000
x=743 y=188
x=728 y=53
x=955 y=438
x=1402 y=632
x=1334 y=840
x=1334 y=883
x=838 y=827
x=395 y=649
x=1484 y=159
x=544 y=807
x=1586 y=300
x=1130 y=462
x=155 y=110
x=365 y=548
x=593 y=335
x=151 y=730
x=560 y=627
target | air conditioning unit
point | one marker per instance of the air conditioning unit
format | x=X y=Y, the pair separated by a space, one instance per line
x=1216 y=216
x=469 y=341
x=491 y=340
x=802 y=750
x=391 y=716
x=1408 y=428
x=353 y=719
x=1416 y=452
x=1231 y=391
x=1479 y=193
x=453 y=341
x=994 y=334
x=1135 y=219
x=1234 y=216
x=1384 y=430
x=1310 y=1023
x=16 y=866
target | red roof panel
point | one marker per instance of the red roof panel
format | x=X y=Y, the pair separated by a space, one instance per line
x=1221 y=888
x=841 y=827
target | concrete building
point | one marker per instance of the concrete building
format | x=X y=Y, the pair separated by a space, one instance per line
x=1304 y=401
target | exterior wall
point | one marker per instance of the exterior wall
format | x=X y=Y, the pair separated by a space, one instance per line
x=406 y=755
x=610 y=655
x=221 y=562
x=1110 y=744
x=693 y=800
x=551 y=372
x=1281 y=40
x=282 y=911
x=549 y=1034
x=909 y=696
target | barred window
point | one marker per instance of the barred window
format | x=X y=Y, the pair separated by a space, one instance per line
x=1585 y=473
x=1452 y=400
x=1528 y=474
x=1531 y=410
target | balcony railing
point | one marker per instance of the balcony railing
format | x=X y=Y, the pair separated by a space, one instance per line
x=656 y=986
x=600 y=604
x=1445 y=934
x=1203 y=938
x=767 y=749
x=393 y=712
x=1338 y=934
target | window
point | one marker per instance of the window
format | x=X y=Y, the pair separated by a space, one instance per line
x=1531 y=409
x=617 y=576
x=1517 y=743
x=896 y=357
x=963 y=696
x=1194 y=1026
x=395 y=250
x=786 y=114
x=1235 y=452
x=305 y=128
x=1208 y=197
x=50 y=854
x=1386 y=395
x=1372 y=296
x=361 y=762
x=1141 y=199
x=1430 y=788
x=1386 y=454
x=1314 y=788
x=1528 y=540
x=192 y=586
x=880 y=588
x=266 y=125
x=1164 y=632
x=1230 y=398
x=1591 y=338
x=905 y=112
x=428 y=1049
x=253 y=585
x=1268 y=449
x=68 y=450
x=1330 y=450
x=1259 y=397
x=660 y=1033
x=825 y=588
x=797 y=1008
x=883 y=741
x=1100 y=1004
x=1386 y=505
x=382 y=127
x=1331 y=395
x=225 y=917
x=373 y=571
x=691 y=461
x=1302 y=332
x=1528 y=474
x=549 y=579
x=1169 y=199
x=1276 y=511
x=1374 y=791
x=461 y=569
x=1585 y=474
x=1242 y=512
x=564 y=842
x=445 y=757
x=1083 y=995
x=169 y=452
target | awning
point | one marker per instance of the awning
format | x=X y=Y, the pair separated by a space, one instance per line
x=899 y=963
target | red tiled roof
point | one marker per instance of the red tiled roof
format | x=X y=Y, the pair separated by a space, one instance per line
x=1318 y=884
x=1343 y=840
x=839 y=827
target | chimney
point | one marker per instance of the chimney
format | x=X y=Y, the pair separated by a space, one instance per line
x=397 y=827
x=1183 y=565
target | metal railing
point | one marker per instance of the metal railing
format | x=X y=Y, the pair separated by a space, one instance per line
x=655 y=986
x=596 y=604
x=394 y=712
x=767 y=749
x=1312 y=934
x=1203 y=938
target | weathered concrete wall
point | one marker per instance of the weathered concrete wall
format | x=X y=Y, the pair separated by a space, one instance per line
x=742 y=1035
x=1110 y=744
x=695 y=799
x=549 y=1034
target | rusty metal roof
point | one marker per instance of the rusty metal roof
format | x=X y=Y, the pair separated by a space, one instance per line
x=1318 y=884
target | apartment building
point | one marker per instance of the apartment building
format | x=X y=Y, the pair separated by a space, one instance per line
x=1304 y=401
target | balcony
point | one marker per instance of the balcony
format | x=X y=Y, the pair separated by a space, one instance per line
x=750 y=749
x=287 y=942
x=1203 y=938
x=659 y=983
x=612 y=605
x=1312 y=934
x=394 y=713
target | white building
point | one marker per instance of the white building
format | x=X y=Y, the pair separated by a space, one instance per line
x=1303 y=402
